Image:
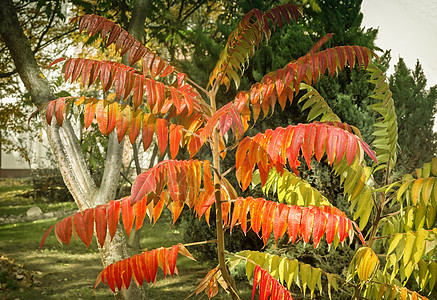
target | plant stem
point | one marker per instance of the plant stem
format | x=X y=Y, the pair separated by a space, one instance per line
x=219 y=214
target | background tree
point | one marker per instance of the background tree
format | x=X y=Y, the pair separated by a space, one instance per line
x=44 y=25
x=416 y=107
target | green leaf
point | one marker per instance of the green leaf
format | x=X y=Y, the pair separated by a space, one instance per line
x=305 y=274
x=432 y=275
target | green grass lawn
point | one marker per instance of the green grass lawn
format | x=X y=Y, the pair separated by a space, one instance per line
x=69 y=272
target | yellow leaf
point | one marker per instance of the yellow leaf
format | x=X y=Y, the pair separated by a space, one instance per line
x=409 y=245
x=316 y=276
x=282 y=269
x=422 y=234
x=419 y=219
x=394 y=243
x=332 y=281
x=403 y=187
x=292 y=274
x=430 y=215
x=428 y=184
x=415 y=190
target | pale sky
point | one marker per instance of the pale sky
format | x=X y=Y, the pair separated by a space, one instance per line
x=409 y=28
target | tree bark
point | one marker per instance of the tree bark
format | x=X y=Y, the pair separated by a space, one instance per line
x=63 y=141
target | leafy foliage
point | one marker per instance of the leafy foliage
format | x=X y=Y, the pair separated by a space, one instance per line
x=179 y=117
x=142 y=267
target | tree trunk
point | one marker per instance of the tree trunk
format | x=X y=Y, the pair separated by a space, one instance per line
x=63 y=141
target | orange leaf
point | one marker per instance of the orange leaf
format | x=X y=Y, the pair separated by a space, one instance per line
x=162 y=134
x=123 y=119
x=175 y=139
x=148 y=130
x=127 y=212
x=113 y=217
x=267 y=220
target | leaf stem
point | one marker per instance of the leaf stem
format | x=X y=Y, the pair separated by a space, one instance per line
x=196 y=85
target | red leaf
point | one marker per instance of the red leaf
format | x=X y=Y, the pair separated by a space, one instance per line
x=46 y=234
x=167 y=71
x=172 y=259
x=113 y=217
x=63 y=231
x=49 y=111
x=331 y=228
x=138 y=91
x=59 y=110
x=294 y=218
x=101 y=227
x=342 y=229
x=369 y=151
x=144 y=262
x=69 y=68
x=308 y=144
x=256 y=210
x=154 y=264
x=306 y=224
x=126 y=272
x=86 y=71
x=296 y=142
x=318 y=226
x=145 y=183
x=274 y=146
x=77 y=69
x=351 y=148
x=280 y=221
x=109 y=272
x=136 y=268
x=331 y=142
x=321 y=135
x=56 y=61
x=267 y=220
x=84 y=225
x=341 y=144
x=117 y=275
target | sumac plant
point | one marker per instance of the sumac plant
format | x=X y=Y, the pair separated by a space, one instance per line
x=392 y=224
